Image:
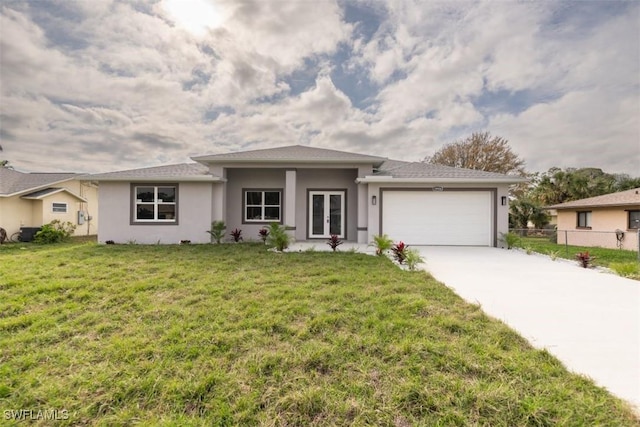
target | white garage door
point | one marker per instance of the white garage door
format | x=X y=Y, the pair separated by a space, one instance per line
x=458 y=218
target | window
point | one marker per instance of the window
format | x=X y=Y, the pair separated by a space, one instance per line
x=262 y=206
x=634 y=220
x=584 y=219
x=59 y=207
x=155 y=203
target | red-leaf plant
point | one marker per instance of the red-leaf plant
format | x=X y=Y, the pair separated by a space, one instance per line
x=584 y=259
x=264 y=233
x=237 y=235
x=334 y=242
x=399 y=252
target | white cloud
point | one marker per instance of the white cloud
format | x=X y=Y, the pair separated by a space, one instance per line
x=118 y=84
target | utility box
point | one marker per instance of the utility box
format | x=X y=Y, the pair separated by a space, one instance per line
x=28 y=233
x=80 y=217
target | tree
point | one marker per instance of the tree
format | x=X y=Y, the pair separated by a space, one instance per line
x=480 y=151
x=523 y=210
x=4 y=163
x=559 y=186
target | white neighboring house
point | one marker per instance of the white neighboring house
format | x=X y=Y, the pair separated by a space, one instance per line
x=314 y=192
x=34 y=199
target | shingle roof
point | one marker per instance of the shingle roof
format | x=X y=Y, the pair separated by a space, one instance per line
x=14 y=182
x=293 y=153
x=427 y=170
x=181 y=170
x=621 y=198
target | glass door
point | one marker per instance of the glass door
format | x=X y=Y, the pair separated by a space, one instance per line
x=326 y=213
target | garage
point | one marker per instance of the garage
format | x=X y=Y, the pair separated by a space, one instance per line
x=427 y=217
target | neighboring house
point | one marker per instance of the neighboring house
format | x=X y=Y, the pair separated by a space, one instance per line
x=314 y=192
x=594 y=221
x=35 y=199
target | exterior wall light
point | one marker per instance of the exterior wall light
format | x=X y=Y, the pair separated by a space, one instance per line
x=504 y=200
x=374 y=200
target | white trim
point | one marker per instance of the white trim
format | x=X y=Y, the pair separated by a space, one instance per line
x=263 y=206
x=156 y=203
x=391 y=180
x=327 y=213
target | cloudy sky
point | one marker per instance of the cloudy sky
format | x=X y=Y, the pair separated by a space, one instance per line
x=95 y=85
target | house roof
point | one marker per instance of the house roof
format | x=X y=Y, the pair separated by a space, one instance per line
x=292 y=154
x=41 y=194
x=182 y=171
x=13 y=182
x=385 y=170
x=419 y=172
x=621 y=198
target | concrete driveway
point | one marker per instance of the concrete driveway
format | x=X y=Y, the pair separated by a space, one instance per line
x=588 y=319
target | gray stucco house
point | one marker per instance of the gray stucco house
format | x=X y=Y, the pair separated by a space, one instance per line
x=314 y=192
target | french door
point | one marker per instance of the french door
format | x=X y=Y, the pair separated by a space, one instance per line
x=326 y=214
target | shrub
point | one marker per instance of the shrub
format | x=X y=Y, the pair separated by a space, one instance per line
x=278 y=237
x=382 y=243
x=412 y=258
x=510 y=239
x=217 y=231
x=553 y=254
x=264 y=233
x=236 y=234
x=585 y=259
x=54 y=232
x=626 y=269
x=400 y=252
x=334 y=242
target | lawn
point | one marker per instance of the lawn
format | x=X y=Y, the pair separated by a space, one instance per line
x=208 y=335
x=604 y=257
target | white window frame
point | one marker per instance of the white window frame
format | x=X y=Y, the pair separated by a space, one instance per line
x=154 y=204
x=56 y=209
x=262 y=205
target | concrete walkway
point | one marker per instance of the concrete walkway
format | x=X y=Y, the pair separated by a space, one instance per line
x=588 y=319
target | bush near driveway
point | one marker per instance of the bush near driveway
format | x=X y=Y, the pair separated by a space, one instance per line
x=238 y=335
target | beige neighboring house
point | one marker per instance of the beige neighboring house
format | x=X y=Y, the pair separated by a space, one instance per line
x=595 y=221
x=35 y=199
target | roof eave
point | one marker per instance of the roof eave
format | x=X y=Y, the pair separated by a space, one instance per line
x=220 y=162
x=59 y=190
x=39 y=187
x=160 y=179
x=392 y=180
x=591 y=206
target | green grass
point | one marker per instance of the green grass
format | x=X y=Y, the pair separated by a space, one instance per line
x=215 y=335
x=604 y=256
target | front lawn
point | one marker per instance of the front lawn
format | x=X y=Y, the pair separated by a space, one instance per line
x=234 y=335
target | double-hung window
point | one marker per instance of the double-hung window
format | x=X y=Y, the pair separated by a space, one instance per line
x=155 y=203
x=262 y=205
x=634 y=220
x=584 y=219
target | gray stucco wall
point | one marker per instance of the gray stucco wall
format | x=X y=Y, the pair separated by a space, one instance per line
x=194 y=216
x=306 y=179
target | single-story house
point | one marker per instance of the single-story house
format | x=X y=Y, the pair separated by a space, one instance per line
x=35 y=199
x=608 y=221
x=313 y=192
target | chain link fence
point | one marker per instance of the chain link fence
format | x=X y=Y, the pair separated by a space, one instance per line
x=619 y=239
